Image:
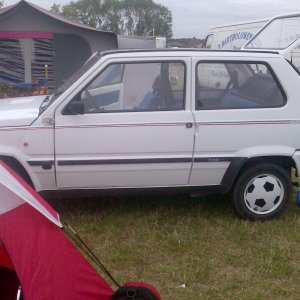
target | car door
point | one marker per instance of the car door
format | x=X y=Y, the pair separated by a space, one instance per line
x=135 y=130
x=238 y=105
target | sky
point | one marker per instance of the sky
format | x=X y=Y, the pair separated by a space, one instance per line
x=193 y=18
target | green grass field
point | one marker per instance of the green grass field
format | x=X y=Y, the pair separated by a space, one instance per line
x=170 y=240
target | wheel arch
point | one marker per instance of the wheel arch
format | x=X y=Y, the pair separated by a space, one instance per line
x=240 y=165
x=16 y=166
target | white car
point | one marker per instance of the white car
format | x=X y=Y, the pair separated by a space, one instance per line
x=222 y=121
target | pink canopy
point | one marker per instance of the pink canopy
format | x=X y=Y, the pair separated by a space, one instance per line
x=32 y=35
x=35 y=252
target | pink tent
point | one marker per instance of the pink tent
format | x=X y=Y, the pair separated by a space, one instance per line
x=36 y=254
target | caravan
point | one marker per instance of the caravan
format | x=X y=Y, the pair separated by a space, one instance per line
x=281 y=34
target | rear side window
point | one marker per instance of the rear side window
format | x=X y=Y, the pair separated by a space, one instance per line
x=235 y=85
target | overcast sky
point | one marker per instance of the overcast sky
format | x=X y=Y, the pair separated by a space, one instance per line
x=193 y=18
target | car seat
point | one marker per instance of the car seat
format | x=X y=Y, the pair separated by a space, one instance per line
x=161 y=96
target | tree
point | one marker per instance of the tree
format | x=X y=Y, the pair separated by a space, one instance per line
x=1 y=3
x=127 y=17
x=83 y=11
x=144 y=17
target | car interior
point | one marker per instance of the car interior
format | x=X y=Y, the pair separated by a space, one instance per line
x=246 y=87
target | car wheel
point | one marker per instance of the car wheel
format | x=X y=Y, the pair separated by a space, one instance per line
x=262 y=192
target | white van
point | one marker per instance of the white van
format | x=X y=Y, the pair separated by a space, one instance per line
x=232 y=36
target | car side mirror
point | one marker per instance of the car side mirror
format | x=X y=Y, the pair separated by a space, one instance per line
x=76 y=108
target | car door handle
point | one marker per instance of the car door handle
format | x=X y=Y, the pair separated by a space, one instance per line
x=189 y=125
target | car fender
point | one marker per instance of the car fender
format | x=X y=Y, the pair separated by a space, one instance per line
x=260 y=152
x=23 y=160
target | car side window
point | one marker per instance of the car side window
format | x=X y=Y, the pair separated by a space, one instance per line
x=145 y=86
x=236 y=85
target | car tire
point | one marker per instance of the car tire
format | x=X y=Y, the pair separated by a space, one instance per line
x=262 y=192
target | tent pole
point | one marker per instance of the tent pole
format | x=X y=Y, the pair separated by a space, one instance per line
x=89 y=252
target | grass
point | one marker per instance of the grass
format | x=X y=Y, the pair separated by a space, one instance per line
x=170 y=240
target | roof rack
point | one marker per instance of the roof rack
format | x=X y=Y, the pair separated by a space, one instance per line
x=120 y=51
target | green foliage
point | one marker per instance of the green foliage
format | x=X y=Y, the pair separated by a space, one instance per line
x=126 y=17
x=1 y=3
x=4 y=90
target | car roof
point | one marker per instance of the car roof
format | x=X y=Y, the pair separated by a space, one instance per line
x=188 y=52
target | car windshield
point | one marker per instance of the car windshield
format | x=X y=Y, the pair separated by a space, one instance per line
x=89 y=63
x=62 y=88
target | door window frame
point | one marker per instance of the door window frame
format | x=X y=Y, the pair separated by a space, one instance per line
x=127 y=62
x=248 y=62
